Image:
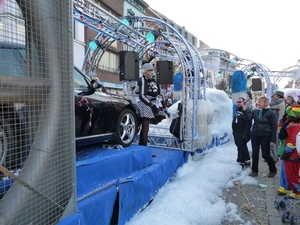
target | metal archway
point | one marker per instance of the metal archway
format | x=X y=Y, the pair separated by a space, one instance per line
x=228 y=61
x=231 y=62
x=170 y=45
x=264 y=73
x=218 y=60
x=292 y=72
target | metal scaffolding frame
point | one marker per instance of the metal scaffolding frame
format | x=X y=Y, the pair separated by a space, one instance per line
x=169 y=46
x=230 y=62
x=264 y=73
x=292 y=72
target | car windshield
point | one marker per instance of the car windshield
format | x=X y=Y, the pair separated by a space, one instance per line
x=13 y=62
x=81 y=84
x=80 y=81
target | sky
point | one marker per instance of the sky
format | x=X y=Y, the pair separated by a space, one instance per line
x=263 y=31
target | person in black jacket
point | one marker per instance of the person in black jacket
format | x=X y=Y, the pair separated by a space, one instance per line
x=241 y=125
x=148 y=91
x=263 y=135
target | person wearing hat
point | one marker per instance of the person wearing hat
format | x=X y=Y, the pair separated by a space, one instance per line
x=289 y=101
x=290 y=165
x=148 y=91
x=278 y=106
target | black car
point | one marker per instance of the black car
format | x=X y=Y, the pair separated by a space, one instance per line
x=99 y=116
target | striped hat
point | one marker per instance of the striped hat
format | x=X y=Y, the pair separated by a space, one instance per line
x=293 y=111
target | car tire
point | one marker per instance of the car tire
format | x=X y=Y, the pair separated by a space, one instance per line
x=126 y=128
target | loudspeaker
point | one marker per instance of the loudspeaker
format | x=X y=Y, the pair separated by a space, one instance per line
x=164 y=72
x=129 y=65
x=256 y=84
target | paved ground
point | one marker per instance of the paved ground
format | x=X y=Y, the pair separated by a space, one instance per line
x=256 y=202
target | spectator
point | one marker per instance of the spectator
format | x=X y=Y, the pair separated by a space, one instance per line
x=278 y=106
x=241 y=125
x=289 y=100
x=249 y=101
x=298 y=101
x=263 y=135
x=273 y=98
x=290 y=165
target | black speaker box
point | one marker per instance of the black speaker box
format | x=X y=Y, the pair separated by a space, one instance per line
x=164 y=72
x=129 y=65
x=256 y=84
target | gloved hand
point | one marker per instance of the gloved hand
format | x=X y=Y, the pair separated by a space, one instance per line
x=282 y=134
x=285 y=155
x=154 y=109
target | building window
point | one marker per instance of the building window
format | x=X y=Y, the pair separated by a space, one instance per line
x=185 y=35
x=193 y=40
x=75 y=30
x=109 y=62
x=109 y=10
x=180 y=30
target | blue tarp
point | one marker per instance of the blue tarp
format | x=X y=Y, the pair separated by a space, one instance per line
x=124 y=180
x=4 y=186
x=136 y=172
x=100 y=167
x=97 y=209
x=146 y=183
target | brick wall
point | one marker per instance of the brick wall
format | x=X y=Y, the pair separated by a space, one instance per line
x=116 y=7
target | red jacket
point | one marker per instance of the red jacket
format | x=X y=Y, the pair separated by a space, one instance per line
x=292 y=130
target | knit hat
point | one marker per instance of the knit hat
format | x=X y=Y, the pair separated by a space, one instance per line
x=279 y=93
x=293 y=111
x=147 y=67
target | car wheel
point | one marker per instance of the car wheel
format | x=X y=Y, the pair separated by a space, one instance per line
x=5 y=142
x=126 y=128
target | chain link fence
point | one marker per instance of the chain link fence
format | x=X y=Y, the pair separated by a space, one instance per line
x=37 y=149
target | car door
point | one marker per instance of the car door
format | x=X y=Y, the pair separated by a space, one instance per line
x=93 y=109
